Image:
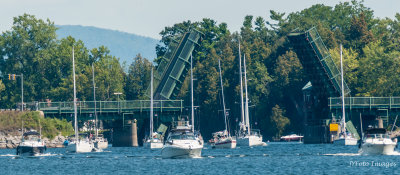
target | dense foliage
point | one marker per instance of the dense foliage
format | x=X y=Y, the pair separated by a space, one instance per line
x=275 y=75
x=13 y=121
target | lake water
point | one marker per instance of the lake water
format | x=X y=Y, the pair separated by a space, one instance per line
x=276 y=158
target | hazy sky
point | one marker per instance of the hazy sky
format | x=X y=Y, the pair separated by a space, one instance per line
x=149 y=17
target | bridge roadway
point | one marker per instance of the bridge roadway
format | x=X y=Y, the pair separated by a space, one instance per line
x=365 y=103
x=110 y=110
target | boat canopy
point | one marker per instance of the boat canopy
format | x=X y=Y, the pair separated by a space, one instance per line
x=31 y=133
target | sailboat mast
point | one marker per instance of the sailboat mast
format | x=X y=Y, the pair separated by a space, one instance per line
x=241 y=90
x=247 y=98
x=191 y=88
x=223 y=99
x=343 y=107
x=75 y=112
x=94 y=99
x=151 y=104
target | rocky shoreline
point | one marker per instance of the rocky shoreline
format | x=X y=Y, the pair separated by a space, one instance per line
x=8 y=141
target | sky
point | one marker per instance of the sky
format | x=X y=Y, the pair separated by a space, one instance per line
x=149 y=17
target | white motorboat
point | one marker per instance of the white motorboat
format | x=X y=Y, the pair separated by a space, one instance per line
x=292 y=137
x=153 y=141
x=246 y=136
x=377 y=142
x=344 y=138
x=182 y=142
x=78 y=145
x=31 y=144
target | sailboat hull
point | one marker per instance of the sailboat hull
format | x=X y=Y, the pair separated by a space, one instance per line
x=346 y=141
x=227 y=143
x=80 y=147
x=153 y=145
x=101 y=144
x=251 y=140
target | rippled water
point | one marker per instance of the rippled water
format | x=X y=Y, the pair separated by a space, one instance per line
x=276 y=158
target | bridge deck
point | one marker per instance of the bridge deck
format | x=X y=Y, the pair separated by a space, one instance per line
x=365 y=102
x=110 y=106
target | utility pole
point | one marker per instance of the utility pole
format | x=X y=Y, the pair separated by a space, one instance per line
x=12 y=77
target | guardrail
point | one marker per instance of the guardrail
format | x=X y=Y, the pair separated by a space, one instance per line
x=110 y=106
x=365 y=102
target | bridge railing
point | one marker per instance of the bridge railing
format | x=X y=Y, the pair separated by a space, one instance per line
x=110 y=106
x=365 y=102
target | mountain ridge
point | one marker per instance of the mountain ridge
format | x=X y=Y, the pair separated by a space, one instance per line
x=121 y=44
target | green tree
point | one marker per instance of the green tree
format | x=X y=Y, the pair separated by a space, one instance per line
x=279 y=120
x=138 y=79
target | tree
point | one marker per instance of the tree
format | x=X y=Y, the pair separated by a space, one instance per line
x=138 y=79
x=279 y=120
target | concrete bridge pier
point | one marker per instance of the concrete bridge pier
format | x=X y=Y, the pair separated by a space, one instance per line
x=125 y=136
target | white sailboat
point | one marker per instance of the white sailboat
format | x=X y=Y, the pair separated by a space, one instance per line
x=246 y=136
x=182 y=142
x=344 y=137
x=100 y=142
x=78 y=145
x=153 y=141
x=223 y=139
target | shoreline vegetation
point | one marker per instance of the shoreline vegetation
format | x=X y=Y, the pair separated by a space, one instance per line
x=54 y=131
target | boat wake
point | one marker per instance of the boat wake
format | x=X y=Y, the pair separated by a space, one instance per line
x=8 y=155
x=343 y=154
x=395 y=153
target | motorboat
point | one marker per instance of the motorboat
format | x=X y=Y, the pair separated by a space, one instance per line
x=292 y=137
x=377 y=142
x=31 y=144
x=221 y=139
x=182 y=142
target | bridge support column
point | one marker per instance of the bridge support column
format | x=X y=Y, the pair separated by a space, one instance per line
x=134 y=133
x=125 y=136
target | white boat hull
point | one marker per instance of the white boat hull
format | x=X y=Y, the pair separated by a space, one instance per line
x=345 y=141
x=101 y=144
x=172 y=151
x=377 y=149
x=80 y=147
x=153 y=145
x=251 y=140
x=228 y=143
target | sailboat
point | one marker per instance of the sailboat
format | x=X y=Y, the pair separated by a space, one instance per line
x=246 y=136
x=223 y=139
x=153 y=141
x=344 y=137
x=78 y=145
x=182 y=141
x=100 y=142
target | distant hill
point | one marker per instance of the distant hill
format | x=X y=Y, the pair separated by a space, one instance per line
x=121 y=44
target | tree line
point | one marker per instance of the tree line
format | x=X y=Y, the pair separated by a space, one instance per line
x=275 y=75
